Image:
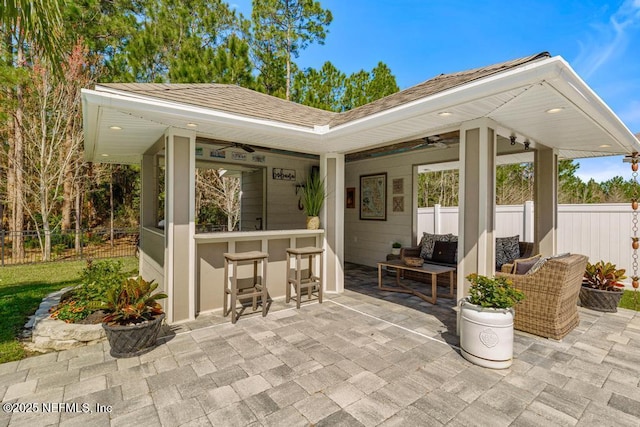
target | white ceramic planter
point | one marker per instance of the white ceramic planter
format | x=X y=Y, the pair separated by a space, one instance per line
x=486 y=335
x=395 y=251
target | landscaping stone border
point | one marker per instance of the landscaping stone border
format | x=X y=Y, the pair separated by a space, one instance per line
x=49 y=334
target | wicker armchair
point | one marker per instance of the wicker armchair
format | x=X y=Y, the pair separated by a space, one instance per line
x=550 y=309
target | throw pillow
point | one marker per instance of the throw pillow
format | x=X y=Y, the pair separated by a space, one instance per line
x=507 y=249
x=454 y=239
x=429 y=240
x=542 y=261
x=444 y=252
x=538 y=265
x=522 y=266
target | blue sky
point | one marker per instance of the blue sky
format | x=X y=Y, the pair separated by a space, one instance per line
x=419 y=39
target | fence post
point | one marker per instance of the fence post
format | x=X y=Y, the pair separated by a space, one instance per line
x=527 y=223
x=436 y=218
x=2 y=237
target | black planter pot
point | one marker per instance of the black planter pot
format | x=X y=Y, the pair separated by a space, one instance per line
x=133 y=340
x=599 y=300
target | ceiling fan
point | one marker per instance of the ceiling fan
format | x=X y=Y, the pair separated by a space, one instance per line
x=430 y=141
x=245 y=147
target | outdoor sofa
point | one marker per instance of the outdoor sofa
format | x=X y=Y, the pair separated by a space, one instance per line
x=442 y=249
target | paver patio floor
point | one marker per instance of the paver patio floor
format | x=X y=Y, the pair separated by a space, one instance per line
x=361 y=358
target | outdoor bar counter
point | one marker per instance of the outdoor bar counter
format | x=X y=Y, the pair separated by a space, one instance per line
x=210 y=248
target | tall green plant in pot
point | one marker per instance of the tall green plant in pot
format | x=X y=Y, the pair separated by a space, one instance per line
x=133 y=316
x=312 y=199
x=486 y=321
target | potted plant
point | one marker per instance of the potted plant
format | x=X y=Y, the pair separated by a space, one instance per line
x=133 y=316
x=395 y=248
x=313 y=196
x=601 y=288
x=486 y=321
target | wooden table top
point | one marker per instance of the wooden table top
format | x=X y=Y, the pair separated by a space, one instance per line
x=426 y=268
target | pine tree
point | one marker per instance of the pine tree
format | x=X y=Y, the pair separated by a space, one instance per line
x=282 y=28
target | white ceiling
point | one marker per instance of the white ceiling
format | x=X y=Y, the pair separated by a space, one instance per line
x=516 y=100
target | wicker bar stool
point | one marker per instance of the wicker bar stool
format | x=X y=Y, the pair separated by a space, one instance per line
x=254 y=291
x=312 y=283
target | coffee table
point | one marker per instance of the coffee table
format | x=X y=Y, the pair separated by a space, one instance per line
x=432 y=269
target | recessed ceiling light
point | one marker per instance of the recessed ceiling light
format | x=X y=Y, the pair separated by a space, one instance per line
x=115 y=128
x=192 y=125
x=605 y=146
x=445 y=113
x=104 y=155
x=554 y=110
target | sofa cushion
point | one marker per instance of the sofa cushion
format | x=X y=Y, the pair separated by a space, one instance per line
x=428 y=242
x=507 y=250
x=454 y=239
x=445 y=252
x=523 y=265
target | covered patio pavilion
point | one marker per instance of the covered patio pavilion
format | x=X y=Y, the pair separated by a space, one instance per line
x=539 y=103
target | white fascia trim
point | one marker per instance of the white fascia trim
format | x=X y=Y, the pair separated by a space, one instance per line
x=565 y=81
x=571 y=86
x=117 y=99
x=89 y=115
x=551 y=69
x=522 y=76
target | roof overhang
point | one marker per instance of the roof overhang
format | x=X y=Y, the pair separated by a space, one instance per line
x=518 y=100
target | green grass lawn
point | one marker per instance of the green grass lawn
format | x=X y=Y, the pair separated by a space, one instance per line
x=629 y=300
x=23 y=287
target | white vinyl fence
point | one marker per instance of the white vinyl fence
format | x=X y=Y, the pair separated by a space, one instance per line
x=599 y=231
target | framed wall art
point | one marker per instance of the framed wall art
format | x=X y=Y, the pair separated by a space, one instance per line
x=398 y=186
x=351 y=198
x=373 y=197
x=398 y=203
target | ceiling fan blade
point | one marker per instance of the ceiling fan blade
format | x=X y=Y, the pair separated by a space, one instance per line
x=247 y=148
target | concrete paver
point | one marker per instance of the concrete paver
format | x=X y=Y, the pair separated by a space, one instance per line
x=363 y=357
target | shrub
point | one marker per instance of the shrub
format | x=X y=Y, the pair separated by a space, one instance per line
x=497 y=292
x=97 y=280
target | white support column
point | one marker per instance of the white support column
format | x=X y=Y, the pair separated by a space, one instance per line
x=477 y=201
x=437 y=220
x=528 y=221
x=332 y=220
x=546 y=200
x=180 y=282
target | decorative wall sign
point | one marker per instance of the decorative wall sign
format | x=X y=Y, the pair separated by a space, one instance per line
x=284 y=174
x=238 y=156
x=373 y=197
x=199 y=151
x=351 y=198
x=217 y=154
x=258 y=158
x=398 y=203
x=398 y=186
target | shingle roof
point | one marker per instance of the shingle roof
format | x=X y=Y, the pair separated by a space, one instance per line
x=231 y=99
x=245 y=102
x=432 y=86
